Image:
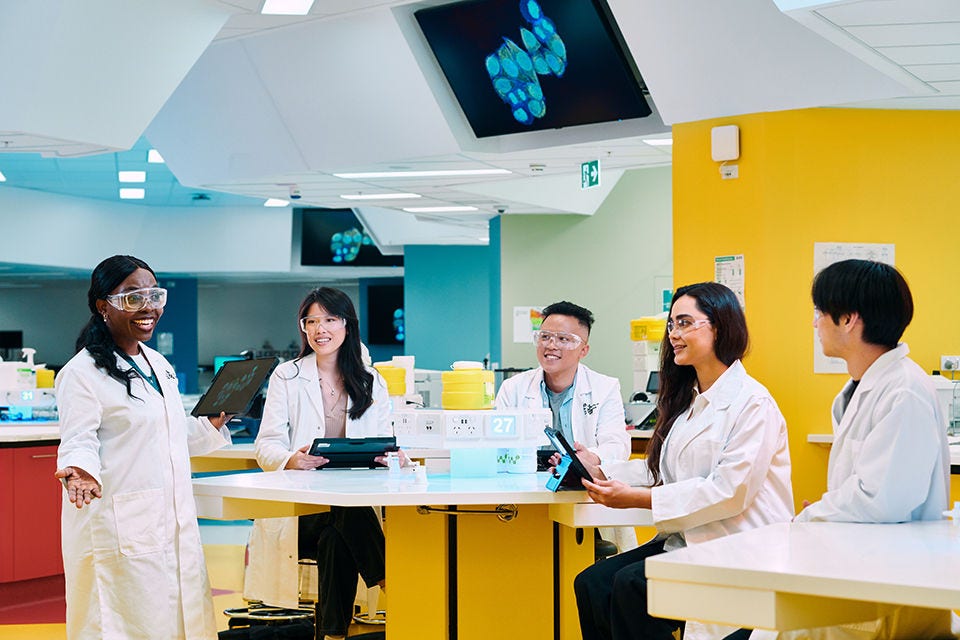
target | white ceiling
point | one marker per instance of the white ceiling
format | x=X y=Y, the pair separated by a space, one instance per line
x=250 y=104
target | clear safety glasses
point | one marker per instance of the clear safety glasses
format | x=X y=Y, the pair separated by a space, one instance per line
x=139 y=299
x=565 y=341
x=685 y=325
x=329 y=323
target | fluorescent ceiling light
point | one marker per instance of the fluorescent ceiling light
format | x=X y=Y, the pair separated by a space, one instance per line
x=3 y=178
x=132 y=176
x=379 y=196
x=130 y=193
x=438 y=209
x=286 y=7
x=422 y=174
x=154 y=157
x=276 y=202
x=659 y=142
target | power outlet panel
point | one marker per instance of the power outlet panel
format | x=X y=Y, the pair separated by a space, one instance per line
x=404 y=423
x=949 y=363
x=466 y=425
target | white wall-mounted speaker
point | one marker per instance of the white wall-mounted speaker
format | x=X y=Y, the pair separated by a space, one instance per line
x=725 y=143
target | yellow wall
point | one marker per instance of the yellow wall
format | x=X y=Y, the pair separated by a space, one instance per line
x=822 y=175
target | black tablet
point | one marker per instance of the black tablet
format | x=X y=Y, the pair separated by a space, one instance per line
x=234 y=387
x=575 y=470
x=346 y=453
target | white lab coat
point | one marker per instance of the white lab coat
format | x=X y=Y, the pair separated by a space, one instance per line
x=596 y=415
x=889 y=463
x=893 y=422
x=292 y=418
x=725 y=466
x=133 y=560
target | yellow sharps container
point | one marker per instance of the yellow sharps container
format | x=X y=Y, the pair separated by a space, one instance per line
x=396 y=378
x=467 y=386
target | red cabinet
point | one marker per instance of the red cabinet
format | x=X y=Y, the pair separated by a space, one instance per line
x=29 y=513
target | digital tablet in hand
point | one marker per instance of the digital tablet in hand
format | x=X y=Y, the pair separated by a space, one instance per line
x=346 y=453
x=575 y=469
x=234 y=387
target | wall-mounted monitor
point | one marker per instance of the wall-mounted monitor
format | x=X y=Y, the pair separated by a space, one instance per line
x=11 y=339
x=386 y=323
x=529 y=65
x=336 y=238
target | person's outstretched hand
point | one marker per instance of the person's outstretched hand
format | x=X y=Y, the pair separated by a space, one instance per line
x=81 y=487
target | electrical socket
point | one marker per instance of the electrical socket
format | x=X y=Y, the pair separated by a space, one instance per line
x=404 y=423
x=949 y=363
x=463 y=426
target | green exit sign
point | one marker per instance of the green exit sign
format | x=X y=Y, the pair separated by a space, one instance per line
x=590 y=174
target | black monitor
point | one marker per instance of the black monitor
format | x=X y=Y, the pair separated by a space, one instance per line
x=11 y=339
x=336 y=238
x=386 y=323
x=653 y=382
x=530 y=65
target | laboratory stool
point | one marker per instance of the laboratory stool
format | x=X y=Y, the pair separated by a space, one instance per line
x=365 y=604
x=603 y=548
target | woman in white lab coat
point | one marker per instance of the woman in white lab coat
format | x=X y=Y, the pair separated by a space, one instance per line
x=132 y=556
x=718 y=463
x=325 y=392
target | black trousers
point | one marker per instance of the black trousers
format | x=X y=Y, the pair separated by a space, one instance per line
x=612 y=599
x=346 y=542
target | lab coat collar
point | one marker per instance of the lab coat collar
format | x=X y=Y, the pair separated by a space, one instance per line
x=869 y=380
x=725 y=390
x=581 y=384
x=310 y=378
x=718 y=397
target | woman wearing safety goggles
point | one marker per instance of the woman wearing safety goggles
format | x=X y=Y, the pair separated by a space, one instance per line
x=131 y=544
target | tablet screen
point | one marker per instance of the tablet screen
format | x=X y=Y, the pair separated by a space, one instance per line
x=352 y=452
x=234 y=387
x=577 y=470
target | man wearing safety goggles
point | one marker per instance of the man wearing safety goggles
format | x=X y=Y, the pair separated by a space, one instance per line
x=586 y=405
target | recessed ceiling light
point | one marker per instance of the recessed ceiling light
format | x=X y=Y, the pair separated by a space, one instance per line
x=154 y=157
x=422 y=174
x=659 y=142
x=3 y=178
x=439 y=209
x=379 y=196
x=286 y=7
x=130 y=193
x=132 y=176
x=275 y=202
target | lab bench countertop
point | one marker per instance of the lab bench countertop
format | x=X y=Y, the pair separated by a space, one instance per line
x=20 y=432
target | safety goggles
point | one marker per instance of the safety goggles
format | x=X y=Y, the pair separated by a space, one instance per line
x=329 y=323
x=139 y=299
x=565 y=341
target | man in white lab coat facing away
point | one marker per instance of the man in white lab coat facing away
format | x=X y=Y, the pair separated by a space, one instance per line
x=889 y=461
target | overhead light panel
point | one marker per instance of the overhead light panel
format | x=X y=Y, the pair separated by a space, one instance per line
x=154 y=157
x=439 y=209
x=659 y=142
x=132 y=176
x=286 y=7
x=3 y=178
x=379 y=196
x=131 y=193
x=275 y=202
x=423 y=174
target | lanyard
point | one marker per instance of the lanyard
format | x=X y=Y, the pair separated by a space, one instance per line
x=152 y=378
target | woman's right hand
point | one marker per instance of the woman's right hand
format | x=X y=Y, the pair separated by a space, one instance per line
x=81 y=487
x=303 y=460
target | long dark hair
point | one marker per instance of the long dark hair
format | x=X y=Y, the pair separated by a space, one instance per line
x=722 y=308
x=95 y=337
x=356 y=379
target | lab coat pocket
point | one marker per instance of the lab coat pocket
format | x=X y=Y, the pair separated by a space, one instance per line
x=139 y=517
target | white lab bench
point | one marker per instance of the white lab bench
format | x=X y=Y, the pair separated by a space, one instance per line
x=40 y=432
x=801 y=575
x=479 y=574
x=826 y=439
